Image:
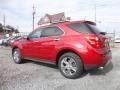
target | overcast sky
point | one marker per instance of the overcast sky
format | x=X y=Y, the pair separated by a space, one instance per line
x=19 y=12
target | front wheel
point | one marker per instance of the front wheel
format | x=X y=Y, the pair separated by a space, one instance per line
x=17 y=56
x=70 y=65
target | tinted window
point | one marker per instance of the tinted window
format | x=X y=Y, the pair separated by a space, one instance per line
x=51 y=31
x=94 y=28
x=35 y=34
x=84 y=28
x=80 y=27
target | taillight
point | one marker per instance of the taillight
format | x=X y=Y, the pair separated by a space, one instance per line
x=94 y=40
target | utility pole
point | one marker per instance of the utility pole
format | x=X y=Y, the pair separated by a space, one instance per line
x=33 y=16
x=95 y=12
x=114 y=38
x=4 y=21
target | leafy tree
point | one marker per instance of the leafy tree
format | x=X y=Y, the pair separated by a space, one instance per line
x=11 y=28
x=1 y=27
x=16 y=31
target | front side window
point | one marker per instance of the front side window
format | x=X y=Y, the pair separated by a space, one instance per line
x=35 y=34
x=51 y=31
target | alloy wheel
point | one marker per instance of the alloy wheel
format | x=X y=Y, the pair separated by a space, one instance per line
x=68 y=66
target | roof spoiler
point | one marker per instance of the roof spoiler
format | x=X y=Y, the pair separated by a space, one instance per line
x=90 y=22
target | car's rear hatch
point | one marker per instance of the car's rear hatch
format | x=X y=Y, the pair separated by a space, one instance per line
x=92 y=35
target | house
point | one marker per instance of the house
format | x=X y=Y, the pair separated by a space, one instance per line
x=47 y=19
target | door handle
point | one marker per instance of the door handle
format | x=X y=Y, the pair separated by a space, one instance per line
x=57 y=39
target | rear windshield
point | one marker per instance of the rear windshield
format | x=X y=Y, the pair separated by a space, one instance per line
x=84 y=28
x=94 y=28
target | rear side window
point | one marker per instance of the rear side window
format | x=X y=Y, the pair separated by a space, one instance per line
x=94 y=28
x=51 y=31
x=84 y=28
x=79 y=27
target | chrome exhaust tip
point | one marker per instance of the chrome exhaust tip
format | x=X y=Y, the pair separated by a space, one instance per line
x=101 y=68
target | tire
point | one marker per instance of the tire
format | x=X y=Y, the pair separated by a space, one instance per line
x=17 y=56
x=70 y=65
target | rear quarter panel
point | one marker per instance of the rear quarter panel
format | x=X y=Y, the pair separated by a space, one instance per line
x=74 y=43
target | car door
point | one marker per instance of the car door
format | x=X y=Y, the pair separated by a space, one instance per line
x=42 y=43
x=50 y=39
x=29 y=44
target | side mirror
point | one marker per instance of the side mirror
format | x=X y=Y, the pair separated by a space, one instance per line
x=28 y=38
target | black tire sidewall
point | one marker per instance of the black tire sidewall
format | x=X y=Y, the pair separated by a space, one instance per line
x=20 y=59
x=78 y=63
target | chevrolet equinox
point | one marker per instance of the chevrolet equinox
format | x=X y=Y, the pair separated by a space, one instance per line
x=74 y=46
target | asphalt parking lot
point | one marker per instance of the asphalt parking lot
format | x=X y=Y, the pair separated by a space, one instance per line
x=38 y=76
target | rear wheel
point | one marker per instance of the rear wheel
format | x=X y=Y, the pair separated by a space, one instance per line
x=17 y=56
x=70 y=65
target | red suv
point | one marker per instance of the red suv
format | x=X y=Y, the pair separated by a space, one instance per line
x=74 y=46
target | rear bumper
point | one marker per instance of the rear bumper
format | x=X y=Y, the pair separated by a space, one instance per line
x=102 y=61
x=95 y=66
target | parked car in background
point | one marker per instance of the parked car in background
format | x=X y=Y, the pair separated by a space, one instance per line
x=15 y=39
x=6 y=41
x=2 y=39
x=74 y=46
x=117 y=40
